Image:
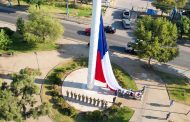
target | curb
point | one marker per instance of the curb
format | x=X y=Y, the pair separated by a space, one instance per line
x=6 y=24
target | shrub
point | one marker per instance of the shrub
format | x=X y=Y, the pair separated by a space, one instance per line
x=96 y=116
x=55 y=78
x=7 y=31
x=1 y=81
x=17 y=37
x=20 y=25
x=30 y=71
x=4 y=40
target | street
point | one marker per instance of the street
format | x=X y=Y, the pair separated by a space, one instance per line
x=117 y=42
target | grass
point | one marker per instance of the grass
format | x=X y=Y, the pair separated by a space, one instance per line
x=80 y=11
x=122 y=114
x=22 y=47
x=178 y=87
x=124 y=79
x=113 y=113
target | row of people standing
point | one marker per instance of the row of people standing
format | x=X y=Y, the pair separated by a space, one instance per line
x=89 y=100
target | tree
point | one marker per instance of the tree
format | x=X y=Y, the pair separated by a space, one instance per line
x=9 y=109
x=20 y=25
x=167 y=5
x=183 y=25
x=18 y=1
x=42 y=27
x=180 y=3
x=24 y=89
x=4 y=40
x=17 y=100
x=164 y=5
x=156 y=39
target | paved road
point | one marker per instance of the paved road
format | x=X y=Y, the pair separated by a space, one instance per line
x=116 y=41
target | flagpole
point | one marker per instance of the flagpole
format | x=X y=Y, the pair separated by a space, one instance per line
x=95 y=23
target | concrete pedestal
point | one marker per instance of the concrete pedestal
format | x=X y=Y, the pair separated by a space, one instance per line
x=77 y=83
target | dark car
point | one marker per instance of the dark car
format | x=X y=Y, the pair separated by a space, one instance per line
x=107 y=29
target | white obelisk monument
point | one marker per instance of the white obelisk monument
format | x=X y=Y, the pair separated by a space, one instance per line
x=96 y=12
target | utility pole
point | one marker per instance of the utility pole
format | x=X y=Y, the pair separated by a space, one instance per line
x=95 y=24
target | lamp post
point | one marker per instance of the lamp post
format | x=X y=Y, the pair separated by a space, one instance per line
x=67 y=8
x=37 y=60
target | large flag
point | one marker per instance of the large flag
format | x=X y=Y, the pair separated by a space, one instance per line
x=103 y=71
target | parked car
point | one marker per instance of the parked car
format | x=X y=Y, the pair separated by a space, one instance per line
x=126 y=23
x=87 y=31
x=129 y=48
x=126 y=14
x=107 y=29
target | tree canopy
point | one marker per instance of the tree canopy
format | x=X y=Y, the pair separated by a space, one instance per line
x=156 y=38
x=9 y=109
x=183 y=25
x=167 y=5
x=17 y=100
x=42 y=27
x=5 y=41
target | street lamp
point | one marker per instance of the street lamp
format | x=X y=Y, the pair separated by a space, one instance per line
x=37 y=60
x=67 y=8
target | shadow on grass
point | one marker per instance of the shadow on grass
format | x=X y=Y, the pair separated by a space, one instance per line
x=22 y=46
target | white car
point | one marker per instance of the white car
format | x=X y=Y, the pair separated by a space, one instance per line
x=126 y=23
x=126 y=14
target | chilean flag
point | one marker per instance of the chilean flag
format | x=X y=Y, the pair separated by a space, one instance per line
x=103 y=70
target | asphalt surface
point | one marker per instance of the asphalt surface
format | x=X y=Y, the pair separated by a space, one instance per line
x=116 y=42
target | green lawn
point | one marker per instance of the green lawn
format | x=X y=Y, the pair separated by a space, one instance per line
x=123 y=114
x=178 y=87
x=82 y=10
x=124 y=79
x=120 y=114
x=23 y=47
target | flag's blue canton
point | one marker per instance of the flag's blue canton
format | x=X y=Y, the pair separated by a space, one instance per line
x=102 y=45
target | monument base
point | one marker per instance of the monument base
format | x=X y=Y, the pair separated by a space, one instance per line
x=76 y=93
